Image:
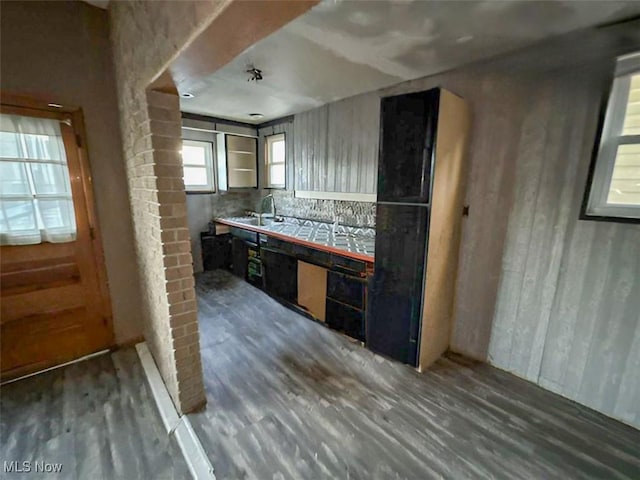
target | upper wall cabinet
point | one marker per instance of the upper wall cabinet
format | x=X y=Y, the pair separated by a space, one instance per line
x=408 y=146
x=310 y=145
x=337 y=146
x=237 y=161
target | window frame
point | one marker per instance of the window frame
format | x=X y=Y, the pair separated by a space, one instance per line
x=608 y=138
x=268 y=141
x=208 y=167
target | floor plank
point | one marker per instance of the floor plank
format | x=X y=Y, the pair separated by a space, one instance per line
x=96 y=417
x=291 y=399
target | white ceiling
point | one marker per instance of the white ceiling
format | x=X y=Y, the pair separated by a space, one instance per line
x=342 y=48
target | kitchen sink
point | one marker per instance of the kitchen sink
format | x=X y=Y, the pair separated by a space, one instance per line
x=254 y=221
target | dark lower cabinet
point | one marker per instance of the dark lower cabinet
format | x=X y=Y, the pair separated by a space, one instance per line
x=240 y=254
x=395 y=294
x=346 y=303
x=216 y=251
x=345 y=318
x=346 y=289
x=280 y=274
x=273 y=266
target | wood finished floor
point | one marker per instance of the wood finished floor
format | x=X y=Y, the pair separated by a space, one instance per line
x=291 y=399
x=96 y=417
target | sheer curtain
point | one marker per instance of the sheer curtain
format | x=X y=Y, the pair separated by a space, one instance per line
x=35 y=192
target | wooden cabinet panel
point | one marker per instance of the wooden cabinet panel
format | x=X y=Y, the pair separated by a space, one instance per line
x=312 y=289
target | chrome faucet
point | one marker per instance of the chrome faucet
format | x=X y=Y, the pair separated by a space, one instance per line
x=273 y=208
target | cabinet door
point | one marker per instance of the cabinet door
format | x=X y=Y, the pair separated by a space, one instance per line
x=346 y=289
x=216 y=251
x=352 y=149
x=345 y=318
x=240 y=257
x=312 y=289
x=407 y=145
x=395 y=295
x=310 y=139
x=280 y=274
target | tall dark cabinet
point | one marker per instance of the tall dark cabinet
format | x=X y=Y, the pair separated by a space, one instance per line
x=421 y=176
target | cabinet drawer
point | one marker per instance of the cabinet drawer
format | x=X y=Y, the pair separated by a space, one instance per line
x=346 y=289
x=345 y=318
x=347 y=265
x=244 y=234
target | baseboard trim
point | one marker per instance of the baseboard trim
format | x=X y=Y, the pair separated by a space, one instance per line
x=178 y=426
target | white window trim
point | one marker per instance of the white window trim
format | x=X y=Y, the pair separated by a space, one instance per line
x=208 y=166
x=610 y=138
x=267 y=159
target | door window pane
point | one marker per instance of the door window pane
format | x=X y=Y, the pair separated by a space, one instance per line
x=19 y=215
x=8 y=145
x=13 y=179
x=50 y=178
x=42 y=147
x=56 y=214
x=35 y=189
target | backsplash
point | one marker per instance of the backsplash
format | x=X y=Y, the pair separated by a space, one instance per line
x=355 y=214
x=231 y=204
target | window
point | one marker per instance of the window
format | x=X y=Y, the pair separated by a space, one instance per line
x=36 y=204
x=197 y=163
x=275 y=161
x=615 y=182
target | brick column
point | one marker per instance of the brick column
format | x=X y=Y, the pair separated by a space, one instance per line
x=166 y=141
x=163 y=248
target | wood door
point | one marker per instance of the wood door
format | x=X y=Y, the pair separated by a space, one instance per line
x=54 y=303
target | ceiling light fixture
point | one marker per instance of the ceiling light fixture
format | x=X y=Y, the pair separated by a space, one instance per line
x=255 y=74
x=256 y=116
x=464 y=39
x=55 y=105
x=187 y=95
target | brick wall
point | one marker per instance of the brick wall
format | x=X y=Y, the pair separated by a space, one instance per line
x=146 y=36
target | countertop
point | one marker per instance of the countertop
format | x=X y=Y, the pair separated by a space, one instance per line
x=352 y=242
